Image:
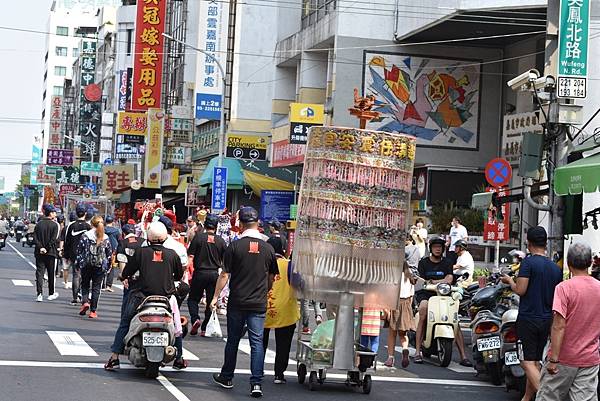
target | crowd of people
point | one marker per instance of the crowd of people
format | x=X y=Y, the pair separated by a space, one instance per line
x=229 y=261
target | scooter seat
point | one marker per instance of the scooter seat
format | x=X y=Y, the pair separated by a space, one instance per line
x=473 y=287
x=155 y=301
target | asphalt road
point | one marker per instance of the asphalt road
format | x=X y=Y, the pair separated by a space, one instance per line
x=32 y=366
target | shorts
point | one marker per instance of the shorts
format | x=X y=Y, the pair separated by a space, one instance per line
x=533 y=335
x=423 y=296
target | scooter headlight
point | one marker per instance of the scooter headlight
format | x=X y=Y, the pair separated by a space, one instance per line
x=444 y=289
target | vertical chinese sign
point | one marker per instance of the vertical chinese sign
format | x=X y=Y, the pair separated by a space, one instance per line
x=573 y=38
x=122 y=90
x=212 y=38
x=494 y=230
x=149 y=54
x=219 y=189
x=154 y=148
x=90 y=101
x=56 y=125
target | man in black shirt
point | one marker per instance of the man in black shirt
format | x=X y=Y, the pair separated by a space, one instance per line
x=251 y=264
x=45 y=236
x=72 y=236
x=206 y=251
x=158 y=268
x=277 y=240
x=435 y=269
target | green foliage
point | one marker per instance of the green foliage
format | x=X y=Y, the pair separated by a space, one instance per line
x=480 y=273
x=441 y=215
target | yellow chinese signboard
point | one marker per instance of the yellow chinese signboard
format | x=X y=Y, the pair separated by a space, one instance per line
x=132 y=123
x=302 y=117
x=154 y=149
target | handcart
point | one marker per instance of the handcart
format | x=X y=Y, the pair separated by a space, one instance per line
x=315 y=362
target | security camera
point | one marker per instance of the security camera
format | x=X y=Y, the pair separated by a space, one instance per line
x=547 y=83
x=523 y=81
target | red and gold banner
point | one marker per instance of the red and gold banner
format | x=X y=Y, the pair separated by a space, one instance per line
x=148 y=56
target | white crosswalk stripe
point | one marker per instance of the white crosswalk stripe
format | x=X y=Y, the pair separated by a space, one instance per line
x=70 y=343
x=22 y=283
x=187 y=355
x=269 y=355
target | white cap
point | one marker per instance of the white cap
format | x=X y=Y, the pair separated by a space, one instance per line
x=157 y=232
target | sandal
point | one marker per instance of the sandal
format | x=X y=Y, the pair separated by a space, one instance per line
x=405 y=360
x=418 y=359
x=112 y=364
x=466 y=362
x=389 y=362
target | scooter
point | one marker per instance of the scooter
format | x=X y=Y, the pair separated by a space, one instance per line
x=514 y=375
x=2 y=240
x=151 y=337
x=28 y=240
x=442 y=321
x=468 y=293
x=19 y=233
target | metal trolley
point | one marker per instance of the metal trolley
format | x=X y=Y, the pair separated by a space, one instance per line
x=315 y=362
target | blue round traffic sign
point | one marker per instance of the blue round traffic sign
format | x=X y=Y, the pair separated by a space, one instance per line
x=498 y=172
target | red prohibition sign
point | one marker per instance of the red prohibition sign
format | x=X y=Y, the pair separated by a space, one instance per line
x=498 y=172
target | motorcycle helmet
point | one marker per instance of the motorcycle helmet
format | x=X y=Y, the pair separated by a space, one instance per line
x=437 y=241
x=461 y=243
x=515 y=253
x=510 y=316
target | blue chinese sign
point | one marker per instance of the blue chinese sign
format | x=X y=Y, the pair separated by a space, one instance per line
x=208 y=106
x=219 y=189
x=276 y=205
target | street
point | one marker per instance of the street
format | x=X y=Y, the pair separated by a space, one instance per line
x=52 y=353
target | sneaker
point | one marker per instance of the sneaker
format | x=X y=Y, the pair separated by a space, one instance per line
x=319 y=319
x=40 y=298
x=418 y=359
x=53 y=296
x=203 y=334
x=66 y=286
x=84 y=309
x=306 y=330
x=69 y=286
x=256 y=390
x=112 y=364
x=221 y=381
x=93 y=315
x=195 y=327
x=110 y=289
x=74 y=302
x=279 y=380
x=389 y=362
x=405 y=360
x=180 y=364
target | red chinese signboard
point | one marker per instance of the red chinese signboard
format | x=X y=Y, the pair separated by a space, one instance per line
x=494 y=230
x=148 y=60
x=64 y=190
x=287 y=154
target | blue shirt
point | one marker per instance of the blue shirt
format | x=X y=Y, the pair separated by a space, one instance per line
x=544 y=275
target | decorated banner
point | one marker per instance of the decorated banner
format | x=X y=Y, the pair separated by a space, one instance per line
x=352 y=213
x=56 y=125
x=132 y=123
x=117 y=177
x=154 y=150
x=149 y=54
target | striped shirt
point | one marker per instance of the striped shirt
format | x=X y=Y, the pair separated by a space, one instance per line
x=371 y=322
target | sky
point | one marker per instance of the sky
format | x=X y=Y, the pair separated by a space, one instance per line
x=21 y=82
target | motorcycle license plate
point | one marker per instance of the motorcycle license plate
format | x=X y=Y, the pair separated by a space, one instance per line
x=151 y=339
x=485 y=344
x=511 y=358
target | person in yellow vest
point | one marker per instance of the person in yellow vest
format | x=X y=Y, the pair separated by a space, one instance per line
x=282 y=315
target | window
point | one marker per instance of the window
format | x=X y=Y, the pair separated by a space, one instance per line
x=57 y=91
x=62 y=30
x=61 y=51
x=76 y=52
x=60 y=71
x=129 y=41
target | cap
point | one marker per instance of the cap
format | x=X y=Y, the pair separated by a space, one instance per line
x=537 y=236
x=48 y=208
x=167 y=222
x=211 y=221
x=80 y=209
x=128 y=229
x=248 y=215
x=276 y=224
x=109 y=219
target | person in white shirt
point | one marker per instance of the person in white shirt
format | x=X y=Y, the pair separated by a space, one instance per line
x=419 y=236
x=464 y=261
x=457 y=232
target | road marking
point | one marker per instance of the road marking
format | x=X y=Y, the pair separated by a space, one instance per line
x=84 y=365
x=269 y=355
x=189 y=356
x=119 y=286
x=21 y=255
x=70 y=343
x=22 y=283
x=455 y=367
x=175 y=392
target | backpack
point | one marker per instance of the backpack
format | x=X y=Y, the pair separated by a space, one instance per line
x=96 y=257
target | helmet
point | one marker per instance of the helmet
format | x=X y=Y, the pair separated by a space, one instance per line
x=60 y=218
x=211 y=221
x=515 y=253
x=128 y=229
x=510 y=316
x=157 y=233
x=248 y=215
x=462 y=243
x=80 y=210
x=275 y=223
x=437 y=241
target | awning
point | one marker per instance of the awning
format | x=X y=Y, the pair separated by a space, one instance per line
x=258 y=182
x=235 y=177
x=580 y=176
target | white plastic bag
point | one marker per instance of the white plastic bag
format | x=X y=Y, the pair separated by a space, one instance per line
x=213 y=328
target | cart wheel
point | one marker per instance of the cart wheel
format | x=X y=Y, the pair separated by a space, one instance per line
x=322 y=376
x=312 y=381
x=366 y=384
x=301 y=373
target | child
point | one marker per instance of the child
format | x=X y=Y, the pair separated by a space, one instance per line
x=401 y=320
x=369 y=330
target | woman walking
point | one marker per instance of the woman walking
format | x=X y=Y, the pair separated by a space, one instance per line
x=94 y=254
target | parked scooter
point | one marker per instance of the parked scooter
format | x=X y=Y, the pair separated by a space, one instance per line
x=151 y=337
x=514 y=375
x=442 y=321
x=467 y=294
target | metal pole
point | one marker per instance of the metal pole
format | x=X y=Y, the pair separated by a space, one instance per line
x=224 y=79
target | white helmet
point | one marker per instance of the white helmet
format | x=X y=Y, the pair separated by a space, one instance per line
x=510 y=316
x=156 y=233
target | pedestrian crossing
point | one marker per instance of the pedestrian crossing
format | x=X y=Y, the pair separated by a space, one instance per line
x=22 y=283
x=70 y=343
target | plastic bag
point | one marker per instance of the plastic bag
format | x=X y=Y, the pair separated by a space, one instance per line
x=322 y=338
x=213 y=328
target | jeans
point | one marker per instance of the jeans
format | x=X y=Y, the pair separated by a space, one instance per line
x=44 y=264
x=304 y=304
x=370 y=342
x=283 y=344
x=235 y=326
x=110 y=277
x=95 y=277
x=76 y=281
x=128 y=311
x=203 y=280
